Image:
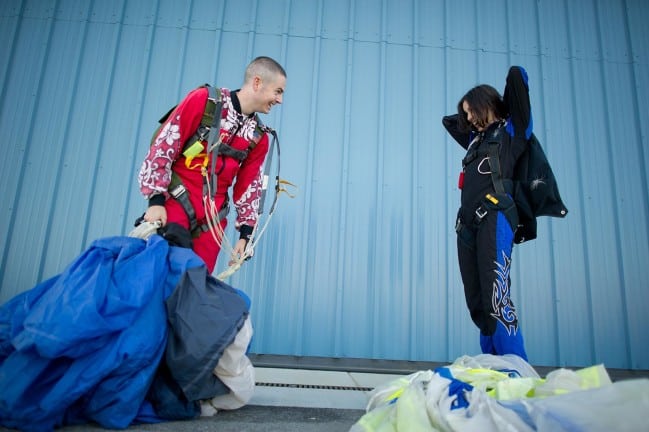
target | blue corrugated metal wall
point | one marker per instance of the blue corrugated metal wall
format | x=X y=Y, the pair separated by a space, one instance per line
x=362 y=262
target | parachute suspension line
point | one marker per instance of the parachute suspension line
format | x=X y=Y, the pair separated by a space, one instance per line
x=213 y=221
x=212 y=218
x=256 y=231
x=214 y=224
x=254 y=238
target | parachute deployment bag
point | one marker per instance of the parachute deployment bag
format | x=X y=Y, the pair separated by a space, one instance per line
x=535 y=189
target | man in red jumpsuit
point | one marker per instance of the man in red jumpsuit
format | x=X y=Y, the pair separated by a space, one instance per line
x=241 y=130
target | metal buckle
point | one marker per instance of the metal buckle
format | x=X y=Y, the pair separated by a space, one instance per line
x=480 y=212
x=202 y=132
x=177 y=191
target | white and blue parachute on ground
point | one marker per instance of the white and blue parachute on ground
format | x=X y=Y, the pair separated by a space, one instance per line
x=504 y=393
x=132 y=331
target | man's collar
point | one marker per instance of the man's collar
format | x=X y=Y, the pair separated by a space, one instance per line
x=235 y=100
x=237 y=105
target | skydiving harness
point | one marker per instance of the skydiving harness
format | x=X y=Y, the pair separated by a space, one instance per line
x=501 y=200
x=531 y=192
x=209 y=130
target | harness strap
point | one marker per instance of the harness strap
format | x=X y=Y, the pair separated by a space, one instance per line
x=227 y=150
x=204 y=227
x=181 y=195
x=494 y=166
x=464 y=232
x=214 y=136
x=470 y=157
x=210 y=128
x=467 y=230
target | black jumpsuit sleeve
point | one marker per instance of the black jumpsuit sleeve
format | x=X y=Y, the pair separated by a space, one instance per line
x=450 y=124
x=517 y=99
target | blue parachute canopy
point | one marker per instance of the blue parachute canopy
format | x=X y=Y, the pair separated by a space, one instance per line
x=84 y=345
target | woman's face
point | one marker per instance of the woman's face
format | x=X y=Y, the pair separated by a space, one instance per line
x=479 y=122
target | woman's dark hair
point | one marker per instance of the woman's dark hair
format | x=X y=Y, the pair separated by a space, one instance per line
x=481 y=99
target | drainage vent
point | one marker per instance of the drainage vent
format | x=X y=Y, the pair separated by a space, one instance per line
x=314 y=386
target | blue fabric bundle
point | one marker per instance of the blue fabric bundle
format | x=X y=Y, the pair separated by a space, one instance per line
x=85 y=344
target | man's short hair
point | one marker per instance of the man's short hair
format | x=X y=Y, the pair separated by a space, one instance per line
x=265 y=67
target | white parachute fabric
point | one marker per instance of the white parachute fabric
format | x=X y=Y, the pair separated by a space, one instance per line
x=236 y=371
x=505 y=393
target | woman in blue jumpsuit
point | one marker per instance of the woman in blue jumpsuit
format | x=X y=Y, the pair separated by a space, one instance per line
x=495 y=131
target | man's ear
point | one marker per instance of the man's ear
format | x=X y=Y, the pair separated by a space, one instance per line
x=256 y=83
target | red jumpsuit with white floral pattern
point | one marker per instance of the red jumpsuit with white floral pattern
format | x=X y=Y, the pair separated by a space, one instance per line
x=165 y=155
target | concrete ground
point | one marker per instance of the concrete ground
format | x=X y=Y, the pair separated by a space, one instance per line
x=307 y=394
x=285 y=400
x=252 y=418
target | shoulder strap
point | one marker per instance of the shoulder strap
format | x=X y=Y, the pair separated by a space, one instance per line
x=493 y=146
x=212 y=115
x=494 y=166
x=260 y=130
x=213 y=138
x=210 y=124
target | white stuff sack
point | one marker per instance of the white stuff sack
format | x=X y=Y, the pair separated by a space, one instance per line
x=236 y=371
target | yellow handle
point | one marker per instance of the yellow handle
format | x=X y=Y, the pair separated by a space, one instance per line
x=193 y=150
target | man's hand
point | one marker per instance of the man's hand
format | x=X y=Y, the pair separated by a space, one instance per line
x=238 y=250
x=156 y=213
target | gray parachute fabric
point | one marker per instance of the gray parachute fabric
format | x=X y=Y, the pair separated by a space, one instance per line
x=204 y=316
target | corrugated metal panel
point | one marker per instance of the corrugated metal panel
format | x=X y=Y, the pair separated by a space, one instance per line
x=362 y=262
